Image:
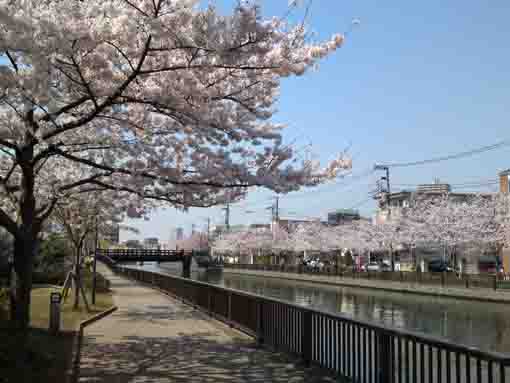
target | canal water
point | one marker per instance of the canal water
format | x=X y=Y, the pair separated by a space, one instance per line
x=482 y=325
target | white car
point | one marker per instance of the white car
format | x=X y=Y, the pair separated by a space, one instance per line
x=372 y=267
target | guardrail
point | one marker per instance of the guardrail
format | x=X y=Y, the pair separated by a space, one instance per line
x=490 y=281
x=361 y=351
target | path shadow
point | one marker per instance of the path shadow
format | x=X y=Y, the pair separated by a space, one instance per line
x=190 y=358
x=153 y=313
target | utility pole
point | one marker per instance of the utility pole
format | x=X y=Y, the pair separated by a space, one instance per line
x=277 y=210
x=227 y=215
x=387 y=178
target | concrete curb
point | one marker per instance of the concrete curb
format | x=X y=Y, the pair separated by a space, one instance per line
x=405 y=288
x=45 y=286
x=74 y=370
x=95 y=318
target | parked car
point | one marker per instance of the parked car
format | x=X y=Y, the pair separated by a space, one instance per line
x=439 y=266
x=489 y=264
x=372 y=266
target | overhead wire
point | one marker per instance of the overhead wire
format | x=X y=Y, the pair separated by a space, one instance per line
x=449 y=157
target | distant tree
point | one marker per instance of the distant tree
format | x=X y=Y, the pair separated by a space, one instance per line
x=133 y=244
x=80 y=216
x=53 y=253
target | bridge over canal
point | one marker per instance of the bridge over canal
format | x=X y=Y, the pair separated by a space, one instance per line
x=114 y=256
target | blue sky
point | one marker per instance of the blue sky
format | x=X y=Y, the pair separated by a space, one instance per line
x=415 y=80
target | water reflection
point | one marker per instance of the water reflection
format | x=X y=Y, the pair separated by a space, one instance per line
x=484 y=325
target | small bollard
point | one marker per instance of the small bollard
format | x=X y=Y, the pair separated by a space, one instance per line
x=55 y=299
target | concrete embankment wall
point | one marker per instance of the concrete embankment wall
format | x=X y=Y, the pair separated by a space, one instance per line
x=477 y=294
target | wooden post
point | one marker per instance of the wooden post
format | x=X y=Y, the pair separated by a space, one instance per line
x=55 y=299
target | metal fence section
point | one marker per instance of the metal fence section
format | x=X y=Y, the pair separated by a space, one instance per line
x=361 y=351
x=489 y=281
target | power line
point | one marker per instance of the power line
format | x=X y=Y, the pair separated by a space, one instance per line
x=468 y=153
x=474 y=182
x=333 y=187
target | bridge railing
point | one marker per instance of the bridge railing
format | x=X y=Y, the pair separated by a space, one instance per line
x=362 y=351
x=127 y=254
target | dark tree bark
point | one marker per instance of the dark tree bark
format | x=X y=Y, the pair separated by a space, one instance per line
x=25 y=242
x=25 y=249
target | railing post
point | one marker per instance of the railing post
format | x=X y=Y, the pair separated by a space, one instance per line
x=229 y=308
x=306 y=337
x=443 y=279
x=495 y=281
x=384 y=356
x=209 y=300
x=260 y=321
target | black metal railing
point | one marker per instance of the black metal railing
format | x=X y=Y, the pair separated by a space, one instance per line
x=359 y=350
x=444 y=279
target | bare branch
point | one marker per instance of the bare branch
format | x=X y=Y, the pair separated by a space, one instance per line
x=13 y=62
x=137 y=8
x=8 y=224
x=108 y=102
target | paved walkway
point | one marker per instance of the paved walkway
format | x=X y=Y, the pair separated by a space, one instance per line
x=154 y=338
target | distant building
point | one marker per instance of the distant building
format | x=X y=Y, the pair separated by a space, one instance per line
x=395 y=203
x=342 y=216
x=504 y=188
x=503 y=181
x=179 y=234
x=217 y=230
x=260 y=226
x=291 y=224
x=151 y=243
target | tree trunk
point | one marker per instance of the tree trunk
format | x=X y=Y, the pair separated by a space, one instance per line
x=24 y=250
x=25 y=242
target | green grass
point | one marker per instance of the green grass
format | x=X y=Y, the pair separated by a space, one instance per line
x=49 y=356
x=39 y=309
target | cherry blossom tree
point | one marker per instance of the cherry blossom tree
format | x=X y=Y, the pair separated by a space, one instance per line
x=243 y=242
x=162 y=99
x=196 y=241
x=477 y=220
